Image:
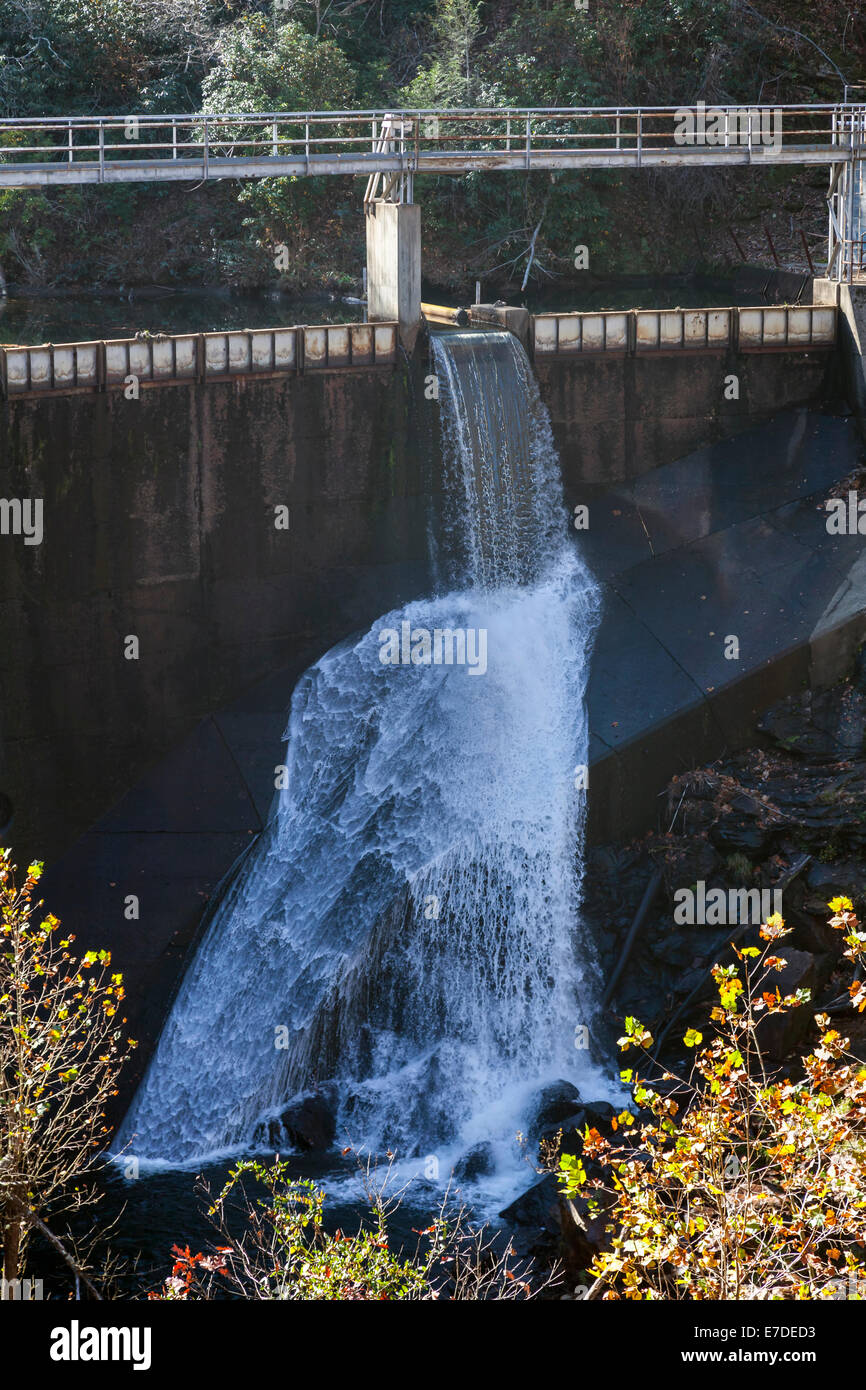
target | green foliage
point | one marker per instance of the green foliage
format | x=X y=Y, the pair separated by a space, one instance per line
x=754 y=1187
x=263 y=66
x=111 y=56
x=451 y=77
x=285 y=1253
x=305 y=1262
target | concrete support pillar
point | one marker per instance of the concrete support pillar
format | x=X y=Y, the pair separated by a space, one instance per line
x=851 y=302
x=394 y=267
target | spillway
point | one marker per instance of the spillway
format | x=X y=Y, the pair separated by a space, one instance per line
x=407 y=927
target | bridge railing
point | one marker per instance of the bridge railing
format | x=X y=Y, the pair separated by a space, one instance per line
x=492 y=137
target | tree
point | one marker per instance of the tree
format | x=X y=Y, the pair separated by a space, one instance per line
x=60 y=1053
x=278 y=67
x=450 y=78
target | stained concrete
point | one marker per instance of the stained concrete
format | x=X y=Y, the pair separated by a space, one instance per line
x=730 y=540
x=617 y=417
x=159 y=521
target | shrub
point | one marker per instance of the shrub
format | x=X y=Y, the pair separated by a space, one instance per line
x=754 y=1188
x=60 y=1053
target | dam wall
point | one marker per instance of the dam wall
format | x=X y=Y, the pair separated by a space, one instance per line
x=232 y=528
x=615 y=418
x=236 y=520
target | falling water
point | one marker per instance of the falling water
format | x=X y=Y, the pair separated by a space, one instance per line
x=410 y=916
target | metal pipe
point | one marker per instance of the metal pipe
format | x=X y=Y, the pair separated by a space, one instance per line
x=646 y=903
x=440 y=313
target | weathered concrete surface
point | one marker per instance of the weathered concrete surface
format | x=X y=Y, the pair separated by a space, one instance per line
x=169 y=842
x=615 y=418
x=851 y=302
x=729 y=541
x=394 y=266
x=159 y=522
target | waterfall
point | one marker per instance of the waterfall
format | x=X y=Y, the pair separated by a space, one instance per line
x=407 y=927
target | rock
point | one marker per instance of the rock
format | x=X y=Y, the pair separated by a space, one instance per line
x=859 y=676
x=740 y=832
x=477 y=1162
x=824 y=727
x=309 y=1123
x=567 y=1137
x=583 y=1231
x=779 y=1034
x=554 y=1104
x=539 y=1206
x=677 y=949
x=842 y=878
x=599 y=1114
x=691 y=860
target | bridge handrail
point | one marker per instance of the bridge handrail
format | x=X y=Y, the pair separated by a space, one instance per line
x=424 y=130
x=407 y=111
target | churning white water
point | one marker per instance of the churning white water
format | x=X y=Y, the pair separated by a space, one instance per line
x=410 y=917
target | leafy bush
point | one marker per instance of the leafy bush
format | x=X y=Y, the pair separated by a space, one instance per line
x=285 y=1253
x=756 y=1187
x=60 y=1052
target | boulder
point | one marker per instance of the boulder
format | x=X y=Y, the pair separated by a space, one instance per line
x=599 y=1114
x=567 y=1137
x=583 y=1230
x=309 y=1123
x=554 y=1104
x=538 y=1207
x=477 y=1162
x=778 y=1034
x=740 y=831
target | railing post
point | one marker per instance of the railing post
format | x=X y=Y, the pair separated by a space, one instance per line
x=205 y=152
x=307 y=145
x=101 y=152
x=274 y=150
x=173 y=138
x=848 y=246
x=528 y=140
x=639 y=137
x=70 y=143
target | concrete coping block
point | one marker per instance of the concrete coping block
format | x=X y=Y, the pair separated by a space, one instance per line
x=386 y=342
x=240 y=352
x=175 y=357
x=751 y=327
x=824 y=324
x=41 y=361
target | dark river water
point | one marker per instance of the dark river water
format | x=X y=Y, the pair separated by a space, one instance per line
x=82 y=317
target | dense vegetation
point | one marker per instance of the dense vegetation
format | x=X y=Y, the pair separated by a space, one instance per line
x=111 y=56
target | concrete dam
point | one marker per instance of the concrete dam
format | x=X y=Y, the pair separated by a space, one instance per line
x=224 y=516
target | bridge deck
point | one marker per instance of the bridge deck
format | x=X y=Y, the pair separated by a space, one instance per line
x=426 y=162
x=58 y=150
